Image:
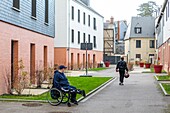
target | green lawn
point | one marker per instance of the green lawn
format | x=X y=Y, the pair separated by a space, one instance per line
x=97 y=69
x=86 y=83
x=166 y=87
x=165 y=77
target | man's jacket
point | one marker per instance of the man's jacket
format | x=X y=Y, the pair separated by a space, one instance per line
x=60 y=80
x=122 y=66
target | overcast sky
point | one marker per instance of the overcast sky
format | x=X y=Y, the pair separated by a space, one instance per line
x=119 y=9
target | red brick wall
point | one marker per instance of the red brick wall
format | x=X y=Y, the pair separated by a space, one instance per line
x=164 y=55
x=24 y=37
x=61 y=56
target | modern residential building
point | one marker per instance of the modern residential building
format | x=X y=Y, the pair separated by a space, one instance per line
x=163 y=35
x=27 y=34
x=114 y=34
x=77 y=23
x=140 y=39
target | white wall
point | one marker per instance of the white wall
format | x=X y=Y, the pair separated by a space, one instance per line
x=64 y=22
x=61 y=23
x=166 y=30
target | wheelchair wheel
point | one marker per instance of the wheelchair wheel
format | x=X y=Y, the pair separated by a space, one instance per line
x=66 y=97
x=54 y=96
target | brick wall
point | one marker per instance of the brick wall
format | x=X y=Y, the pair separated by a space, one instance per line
x=24 y=37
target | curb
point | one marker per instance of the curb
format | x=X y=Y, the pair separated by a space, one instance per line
x=164 y=91
x=98 y=88
x=157 y=78
x=80 y=99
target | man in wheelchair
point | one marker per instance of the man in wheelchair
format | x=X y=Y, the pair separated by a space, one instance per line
x=60 y=82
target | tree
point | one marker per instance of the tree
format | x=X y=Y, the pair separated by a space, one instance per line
x=147 y=9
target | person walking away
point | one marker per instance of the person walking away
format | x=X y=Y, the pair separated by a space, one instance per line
x=121 y=67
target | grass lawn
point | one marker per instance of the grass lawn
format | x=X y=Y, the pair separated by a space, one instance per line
x=86 y=83
x=164 y=77
x=97 y=69
x=166 y=87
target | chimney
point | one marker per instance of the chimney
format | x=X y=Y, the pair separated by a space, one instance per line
x=111 y=20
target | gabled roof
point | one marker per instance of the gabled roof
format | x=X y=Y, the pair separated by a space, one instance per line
x=146 y=23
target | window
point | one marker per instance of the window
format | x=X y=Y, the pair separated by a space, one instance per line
x=89 y=38
x=138 y=43
x=152 y=44
x=138 y=55
x=84 y=18
x=94 y=23
x=72 y=36
x=16 y=4
x=84 y=38
x=78 y=37
x=138 y=30
x=78 y=15
x=94 y=41
x=46 y=11
x=72 y=9
x=151 y=55
x=89 y=20
x=33 y=8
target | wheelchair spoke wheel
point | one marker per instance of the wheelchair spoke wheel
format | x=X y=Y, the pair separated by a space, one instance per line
x=66 y=97
x=54 y=96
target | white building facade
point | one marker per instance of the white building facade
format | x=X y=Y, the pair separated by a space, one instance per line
x=163 y=36
x=76 y=23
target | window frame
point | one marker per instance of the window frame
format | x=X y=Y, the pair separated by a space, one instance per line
x=78 y=37
x=136 y=30
x=46 y=12
x=138 y=46
x=152 y=43
x=72 y=35
x=16 y=5
x=94 y=42
x=34 y=9
x=72 y=12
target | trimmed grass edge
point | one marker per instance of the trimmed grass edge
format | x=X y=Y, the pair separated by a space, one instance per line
x=45 y=101
x=164 y=91
x=96 y=89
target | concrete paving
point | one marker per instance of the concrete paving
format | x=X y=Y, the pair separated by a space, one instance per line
x=140 y=94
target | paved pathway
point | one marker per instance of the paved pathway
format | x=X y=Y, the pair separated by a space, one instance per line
x=140 y=94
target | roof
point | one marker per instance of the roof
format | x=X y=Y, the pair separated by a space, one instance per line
x=88 y=7
x=146 y=23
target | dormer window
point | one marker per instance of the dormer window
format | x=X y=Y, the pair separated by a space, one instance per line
x=138 y=30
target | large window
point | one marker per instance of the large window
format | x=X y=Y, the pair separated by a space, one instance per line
x=72 y=10
x=16 y=4
x=84 y=38
x=152 y=44
x=78 y=15
x=138 y=43
x=46 y=11
x=94 y=23
x=138 y=55
x=89 y=38
x=94 y=42
x=84 y=18
x=33 y=8
x=78 y=37
x=88 y=20
x=72 y=36
x=138 y=30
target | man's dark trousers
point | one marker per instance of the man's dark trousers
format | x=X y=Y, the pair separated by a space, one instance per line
x=122 y=74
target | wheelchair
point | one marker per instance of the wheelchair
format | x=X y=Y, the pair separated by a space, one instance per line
x=56 y=97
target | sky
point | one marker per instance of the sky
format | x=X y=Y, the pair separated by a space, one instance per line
x=119 y=9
